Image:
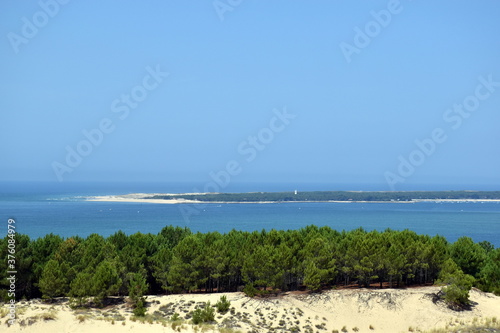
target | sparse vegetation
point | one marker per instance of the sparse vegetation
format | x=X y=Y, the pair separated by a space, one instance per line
x=3 y=312
x=51 y=315
x=223 y=304
x=205 y=315
x=476 y=326
x=321 y=326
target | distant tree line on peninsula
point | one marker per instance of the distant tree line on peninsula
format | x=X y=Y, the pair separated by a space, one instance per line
x=177 y=260
x=334 y=196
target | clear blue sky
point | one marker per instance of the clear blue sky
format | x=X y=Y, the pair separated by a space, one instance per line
x=357 y=113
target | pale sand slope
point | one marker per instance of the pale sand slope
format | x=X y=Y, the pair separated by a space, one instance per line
x=387 y=310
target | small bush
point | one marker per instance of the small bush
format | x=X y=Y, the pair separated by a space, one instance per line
x=223 y=305
x=48 y=316
x=250 y=290
x=205 y=315
x=3 y=312
x=321 y=326
x=140 y=309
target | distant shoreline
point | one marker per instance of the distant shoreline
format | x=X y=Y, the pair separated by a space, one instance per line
x=303 y=197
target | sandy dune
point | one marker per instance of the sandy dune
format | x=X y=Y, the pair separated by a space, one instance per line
x=141 y=198
x=357 y=310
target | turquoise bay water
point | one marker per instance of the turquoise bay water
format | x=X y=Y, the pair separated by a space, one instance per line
x=64 y=211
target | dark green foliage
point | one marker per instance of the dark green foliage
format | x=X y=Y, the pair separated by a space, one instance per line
x=160 y=266
x=468 y=255
x=487 y=246
x=139 y=309
x=312 y=276
x=53 y=282
x=81 y=289
x=223 y=305
x=170 y=236
x=262 y=267
x=458 y=285
x=137 y=288
x=42 y=250
x=489 y=277
x=261 y=262
x=25 y=278
x=105 y=281
x=250 y=290
x=333 y=196
x=205 y=315
x=320 y=262
x=186 y=269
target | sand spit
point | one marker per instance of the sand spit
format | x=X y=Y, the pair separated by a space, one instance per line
x=356 y=310
x=142 y=198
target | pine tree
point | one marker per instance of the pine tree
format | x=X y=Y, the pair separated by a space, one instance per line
x=489 y=277
x=105 y=282
x=468 y=255
x=42 y=250
x=53 y=281
x=312 y=276
x=458 y=285
x=80 y=289
x=186 y=266
x=160 y=266
x=137 y=288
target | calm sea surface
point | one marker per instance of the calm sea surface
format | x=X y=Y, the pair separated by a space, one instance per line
x=40 y=209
